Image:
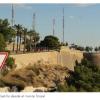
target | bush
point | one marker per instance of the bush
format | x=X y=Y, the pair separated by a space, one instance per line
x=72 y=89
x=10 y=62
x=4 y=72
x=9 y=65
x=2 y=43
x=1 y=83
x=86 y=77
x=62 y=87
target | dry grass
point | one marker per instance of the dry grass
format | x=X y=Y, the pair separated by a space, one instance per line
x=36 y=75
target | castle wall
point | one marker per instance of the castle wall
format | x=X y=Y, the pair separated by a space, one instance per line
x=65 y=57
x=93 y=57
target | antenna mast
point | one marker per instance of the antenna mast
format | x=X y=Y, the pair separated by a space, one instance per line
x=63 y=25
x=12 y=20
x=12 y=23
x=34 y=15
x=53 y=27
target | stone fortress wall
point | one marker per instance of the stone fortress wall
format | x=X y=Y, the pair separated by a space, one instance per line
x=66 y=57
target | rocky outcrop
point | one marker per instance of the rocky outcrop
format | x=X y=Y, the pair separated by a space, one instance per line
x=4 y=89
x=32 y=89
x=47 y=76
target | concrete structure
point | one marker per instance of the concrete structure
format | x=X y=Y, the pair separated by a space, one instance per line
x=94 y=58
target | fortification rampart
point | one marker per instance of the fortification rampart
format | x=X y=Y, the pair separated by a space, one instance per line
x=93 y=57
x=65 y=57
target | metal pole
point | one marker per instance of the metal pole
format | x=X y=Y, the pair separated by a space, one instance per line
x=34 y=15
x=12 y=21
x=63 y=25
x=53 y=27
x=12 y=15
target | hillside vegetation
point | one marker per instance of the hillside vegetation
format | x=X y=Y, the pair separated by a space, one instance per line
x=85 y=78
x=38 y=75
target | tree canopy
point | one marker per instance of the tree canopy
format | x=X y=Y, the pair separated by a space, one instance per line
x=86 y=77
x=2 y=43
x=6 y=30
x=51 y=42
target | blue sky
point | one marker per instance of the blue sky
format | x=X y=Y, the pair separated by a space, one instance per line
x=82 y=22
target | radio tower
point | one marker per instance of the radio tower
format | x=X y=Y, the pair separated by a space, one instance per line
x=33 y=25
x=12 y=23
x=12 y=12
x=63 y=26
x=53 y=27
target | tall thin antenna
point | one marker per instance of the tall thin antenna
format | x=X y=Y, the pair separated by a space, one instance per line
x=12 y=12
x=63 y=25
x=53 y=27
x=34 y=15
x=33 y=25
x=12 y=22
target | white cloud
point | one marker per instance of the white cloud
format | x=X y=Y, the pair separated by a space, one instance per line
x=25 y=6
x=71 y=17
x=83 y=4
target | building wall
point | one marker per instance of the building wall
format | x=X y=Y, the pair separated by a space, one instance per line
x=65 y=57
x=93 y=57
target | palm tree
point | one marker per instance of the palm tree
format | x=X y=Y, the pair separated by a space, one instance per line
x=4 y=29
x=7 y=31
x=30 y=41
x=13 y=43
x=5 y=23
x=88 y=49
x=19 y=34
x=96 y=49
x=25 y=32
x=34 y=37
x=13 y=37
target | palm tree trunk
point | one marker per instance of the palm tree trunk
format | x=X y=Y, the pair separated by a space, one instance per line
x=24 y=42
x=14 y=43
x=20 y=41
x=30 y=42
x=13 y=46
x=35 y=42
x=17 y=41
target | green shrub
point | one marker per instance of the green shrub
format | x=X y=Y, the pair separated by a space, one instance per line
x=10 y=62
x=1 y=83
x=72 y=89
x=2 y=43
x=86 y=77
x=4 y=72
x=62 y=87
